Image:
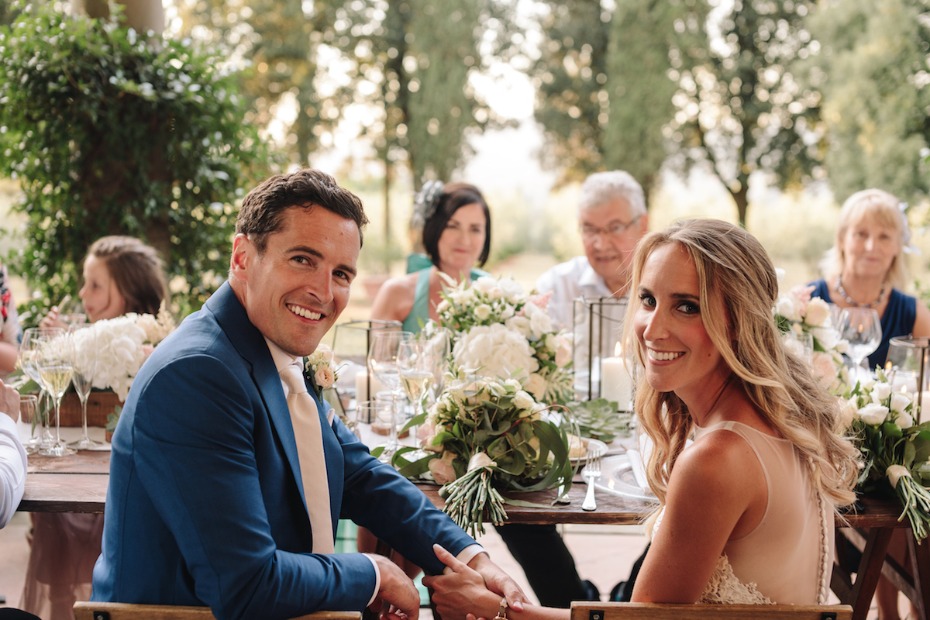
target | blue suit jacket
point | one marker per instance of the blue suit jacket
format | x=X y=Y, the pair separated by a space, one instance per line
x=205 y=504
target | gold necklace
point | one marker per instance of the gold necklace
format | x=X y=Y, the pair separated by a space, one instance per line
x=851 y=302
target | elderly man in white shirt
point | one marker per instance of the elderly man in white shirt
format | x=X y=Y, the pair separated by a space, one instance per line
x=12 y=455
x=612 y=218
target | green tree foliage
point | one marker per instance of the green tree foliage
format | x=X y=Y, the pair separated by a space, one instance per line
x=873 y=71
x=284 y=45
x=419 y=75
x=570 y=75
x=741 y=109
x=638 y=87
x=109 y=133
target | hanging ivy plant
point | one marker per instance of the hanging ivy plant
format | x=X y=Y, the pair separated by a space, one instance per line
x=112 y=132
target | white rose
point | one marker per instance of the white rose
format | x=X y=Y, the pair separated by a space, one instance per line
x=881 y=391
x=904 y=420
x=540 y=321
x=899 y=402
x=789 y=308
x=826 y=336
x=482 y=312
x=484 y=284
x=873 y=413
x=519 y=324
x=817 y=312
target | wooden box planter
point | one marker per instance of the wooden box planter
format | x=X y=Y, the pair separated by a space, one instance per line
x=99 y=406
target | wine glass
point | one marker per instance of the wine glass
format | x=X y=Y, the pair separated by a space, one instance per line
x=436 y=350
x=33 y=339
x=55 y=371
x=415 y=372
x=382 y=364
x=862 y=329
x=71 y=311
x=84 y=343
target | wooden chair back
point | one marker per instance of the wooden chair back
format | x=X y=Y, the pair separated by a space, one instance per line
x=84 y=610
x=669 y=611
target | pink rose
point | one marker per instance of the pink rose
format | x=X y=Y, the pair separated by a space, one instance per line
x=442 y=470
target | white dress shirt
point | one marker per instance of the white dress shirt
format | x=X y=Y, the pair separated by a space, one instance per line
x=12 y=469
x=567 y=282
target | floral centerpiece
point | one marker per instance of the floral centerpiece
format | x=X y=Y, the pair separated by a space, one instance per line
x=797 y=313
x=493 y=428
x=116 y=348
x=896 y=452
x=500 y=331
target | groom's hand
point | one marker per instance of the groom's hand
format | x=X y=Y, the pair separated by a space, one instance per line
x=397 y=597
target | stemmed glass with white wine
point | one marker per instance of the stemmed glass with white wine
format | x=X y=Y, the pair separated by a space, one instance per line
x=84 y=347
x=55 y=371
x=862 y=329
x=415 y=371
x=33 y=340
x=382 y=365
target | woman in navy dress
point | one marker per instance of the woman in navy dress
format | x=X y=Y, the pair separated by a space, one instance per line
x=866 y=267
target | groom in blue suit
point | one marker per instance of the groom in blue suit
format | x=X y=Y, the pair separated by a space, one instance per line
x=206 y=504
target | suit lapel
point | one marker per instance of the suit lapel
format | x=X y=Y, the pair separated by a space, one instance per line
x=251 y=345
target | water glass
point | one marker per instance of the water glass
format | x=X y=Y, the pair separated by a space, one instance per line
x=26 y=425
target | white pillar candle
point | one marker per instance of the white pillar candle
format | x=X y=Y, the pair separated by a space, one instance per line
x=616 y=382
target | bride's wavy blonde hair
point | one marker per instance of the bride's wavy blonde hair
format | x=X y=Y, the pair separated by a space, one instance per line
x=738 y=289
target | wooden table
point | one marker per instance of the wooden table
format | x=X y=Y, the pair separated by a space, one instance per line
x=78 y=483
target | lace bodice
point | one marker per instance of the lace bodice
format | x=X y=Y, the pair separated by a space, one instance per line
x=725 y=587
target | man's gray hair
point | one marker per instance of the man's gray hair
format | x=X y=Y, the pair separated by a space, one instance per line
x=602 y=187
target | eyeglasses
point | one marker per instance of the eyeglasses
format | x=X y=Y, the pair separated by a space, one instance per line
x=614 y=229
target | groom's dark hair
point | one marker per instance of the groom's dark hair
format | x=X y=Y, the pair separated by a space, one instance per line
x=263 y=208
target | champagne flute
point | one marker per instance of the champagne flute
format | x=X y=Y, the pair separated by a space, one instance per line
x=33 y=338
x=862 y=329
x=415 y=372
x=55 y=371
x=71 y=311
x=382 y=364
x=84 y=343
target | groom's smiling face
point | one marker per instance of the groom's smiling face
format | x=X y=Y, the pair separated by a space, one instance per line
x=298 y=286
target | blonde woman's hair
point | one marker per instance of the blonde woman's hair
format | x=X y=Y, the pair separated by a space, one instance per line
x=738 y=288
x=881 y=208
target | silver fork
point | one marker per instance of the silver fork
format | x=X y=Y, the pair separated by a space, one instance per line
x=591 y=474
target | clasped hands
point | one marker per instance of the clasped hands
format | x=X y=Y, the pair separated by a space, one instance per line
x=460 y=589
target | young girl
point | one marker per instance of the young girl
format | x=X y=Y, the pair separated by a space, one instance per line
x=121 y=275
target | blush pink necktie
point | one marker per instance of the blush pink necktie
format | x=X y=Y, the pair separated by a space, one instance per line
x=308 y=434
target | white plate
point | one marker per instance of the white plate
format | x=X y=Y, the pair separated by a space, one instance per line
x=590 y=444
x=617 y=479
